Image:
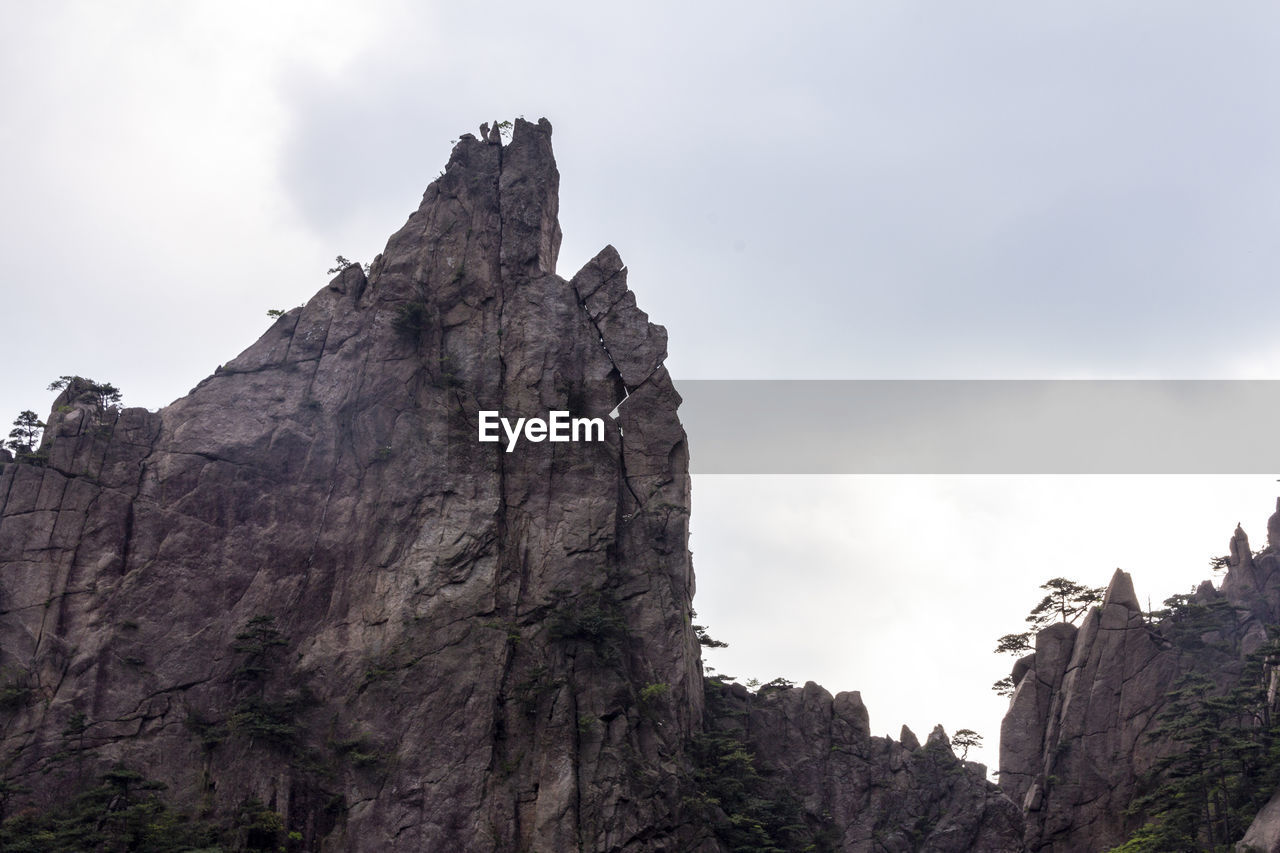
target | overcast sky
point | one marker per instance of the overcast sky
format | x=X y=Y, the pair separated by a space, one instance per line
x=857 y=190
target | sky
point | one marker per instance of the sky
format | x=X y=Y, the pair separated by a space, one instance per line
x=984 y=190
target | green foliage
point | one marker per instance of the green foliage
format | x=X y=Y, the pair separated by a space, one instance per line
x=24 y=438
x=965 y=739
x=266 y=718
x=530 y=691
x=257 y=641
x=359 y=752
x=210 y=731
x=705 y=639
x=340 y=264
x=411 y=320
x=271 y=721
x=1015 y=644
x=1148 y=839
x=652 y=694
x=77 y=725
x=17 y=689
x=275 y=313
x=9 y=788
x=108 y=395
x=777 y=684
x=376 y=672
x=593 y=617
x=747 y=811
x=123 y=811
x=1066 y=599
x=258 y=827
x=1193 y=625
x=1203 y=797
x=1223 y=765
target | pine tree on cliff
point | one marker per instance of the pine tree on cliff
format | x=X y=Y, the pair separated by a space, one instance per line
x=1067 y=600
x=24 y=438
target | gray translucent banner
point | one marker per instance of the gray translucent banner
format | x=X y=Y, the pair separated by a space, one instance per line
x=982 y=427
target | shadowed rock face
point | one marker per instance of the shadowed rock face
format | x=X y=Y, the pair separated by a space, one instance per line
x=864 y=793
x=478 y=622
x=1072 y=745
x=309 y=583
x=1075 y=745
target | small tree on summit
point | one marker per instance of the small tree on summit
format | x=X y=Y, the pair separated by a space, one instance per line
x=966 y=739
x=339 y=264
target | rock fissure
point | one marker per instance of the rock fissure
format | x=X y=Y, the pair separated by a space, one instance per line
x=497 y=646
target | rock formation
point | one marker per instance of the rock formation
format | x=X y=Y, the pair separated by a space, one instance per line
x=1082 y=739
x=871 y=793
x=307 y=589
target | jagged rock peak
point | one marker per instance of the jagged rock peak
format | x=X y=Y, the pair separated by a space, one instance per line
x=1120 y=591
x=1077 y=745
x=307 y=585
x=1240 y=553
x=478 y=625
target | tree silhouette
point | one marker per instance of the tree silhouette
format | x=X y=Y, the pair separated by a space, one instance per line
x=966 y=739
x=1067 y=600
x=24 y=438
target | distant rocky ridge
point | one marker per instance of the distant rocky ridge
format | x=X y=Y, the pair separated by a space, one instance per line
x=1080 y=743
x=308 y=601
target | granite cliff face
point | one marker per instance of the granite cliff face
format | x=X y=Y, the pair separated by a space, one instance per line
x=868 y=793
x=1082 y=741
x=309 y=587
x=476 y=622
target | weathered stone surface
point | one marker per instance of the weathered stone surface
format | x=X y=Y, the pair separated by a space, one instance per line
x=309 y=583
x=640 y=347
x=869 y=793
x=1074 y=746
x=479 y=621
x=1263 y=835
x=1120 y=591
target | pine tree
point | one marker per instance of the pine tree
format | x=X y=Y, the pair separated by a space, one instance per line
x=1066 y=600
x=24 y=438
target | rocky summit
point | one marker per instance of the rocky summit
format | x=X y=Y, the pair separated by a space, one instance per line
x=306 y=608
x=1155 y=731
